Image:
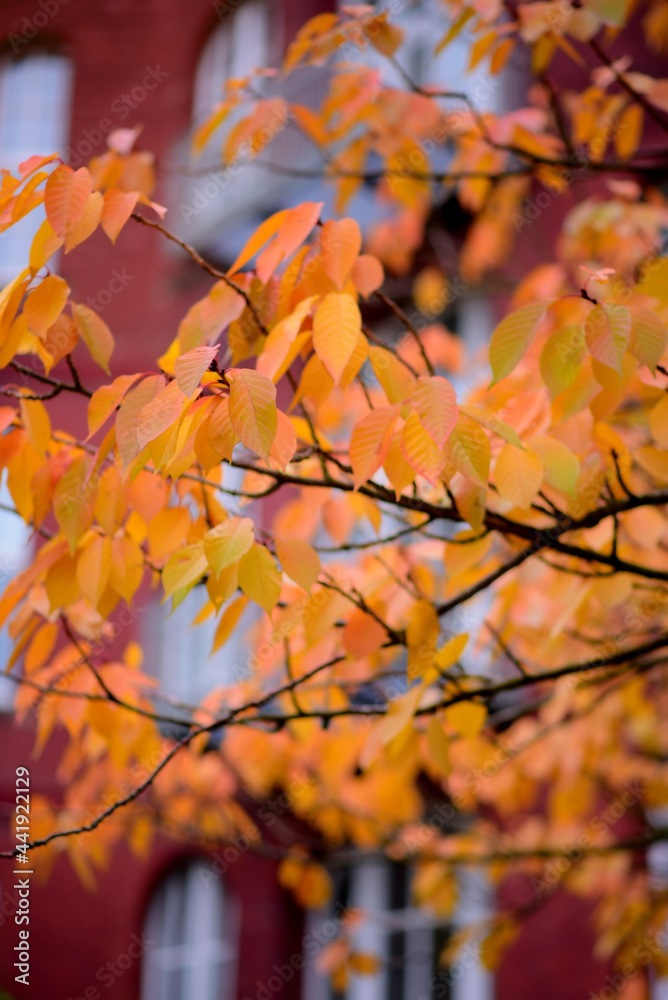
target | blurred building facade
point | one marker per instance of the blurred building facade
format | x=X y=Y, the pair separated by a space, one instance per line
x=219 y=926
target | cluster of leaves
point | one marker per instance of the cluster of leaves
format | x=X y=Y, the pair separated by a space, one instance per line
x=418 y=532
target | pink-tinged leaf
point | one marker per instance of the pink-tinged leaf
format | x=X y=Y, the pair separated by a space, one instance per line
x=104 y=401
x=435 y=403
x=299 y=561
x=370 y=442
x=367 y=274
x=420 y=451
x=121 y=140
x=190 y=367
x=127 y=418
x=252 y=409
x=160 y=413
x=648 y=338
x=284 y=444
x=65 y=196
x=118 y=207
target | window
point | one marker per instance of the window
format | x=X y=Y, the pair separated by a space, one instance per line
x=237 y=46
x=407 y=940
x=185 y=669
x=193 y=925
x=424 y=25
x=14 y=539
x=35 y=95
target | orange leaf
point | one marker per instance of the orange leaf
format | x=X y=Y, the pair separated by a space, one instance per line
x=370 y=442
x=65 y=196
x=336 y=327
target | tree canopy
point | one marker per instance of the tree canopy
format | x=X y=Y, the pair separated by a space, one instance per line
x=460 y=589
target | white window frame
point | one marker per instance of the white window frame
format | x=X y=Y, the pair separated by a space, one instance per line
x=191 y=902
x=370 y=893
x=35 y=103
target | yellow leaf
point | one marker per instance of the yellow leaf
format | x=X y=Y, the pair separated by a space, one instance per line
x=259 y=578
x=167 y=530
x=44 y=245
x=184 y=568
x=438 y=745
x=299 y=560
x=336 y=326
x=45 y=303
x=364 y=964
x=466 y=717
x=228 y=621
x=562 y=358
x=628 y=131
x=190 y=367
x=518 y=475
x=561 y=467
x=93 y=569
x=127 y=567
x=607 y=332
x=658 y=421
x=492 y=422
x=420 y=451
x=512 y=337
x=252 y=409
x=73 y=501
x=95 y=333
x=469 y=451
x=340 y=242
x=37 y=425
x=228 y=542
x=451 y=651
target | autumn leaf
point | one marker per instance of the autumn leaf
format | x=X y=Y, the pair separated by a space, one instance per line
x=259 y=578
x=336 y=326
x=370 y=442
x=252 y=409
x=512 y=337
x=518 y=474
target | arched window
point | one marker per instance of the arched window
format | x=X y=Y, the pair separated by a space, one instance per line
x=35 y=98
x=191 y=925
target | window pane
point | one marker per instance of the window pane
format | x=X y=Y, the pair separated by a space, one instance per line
x=193 y=930
x=35 y=97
